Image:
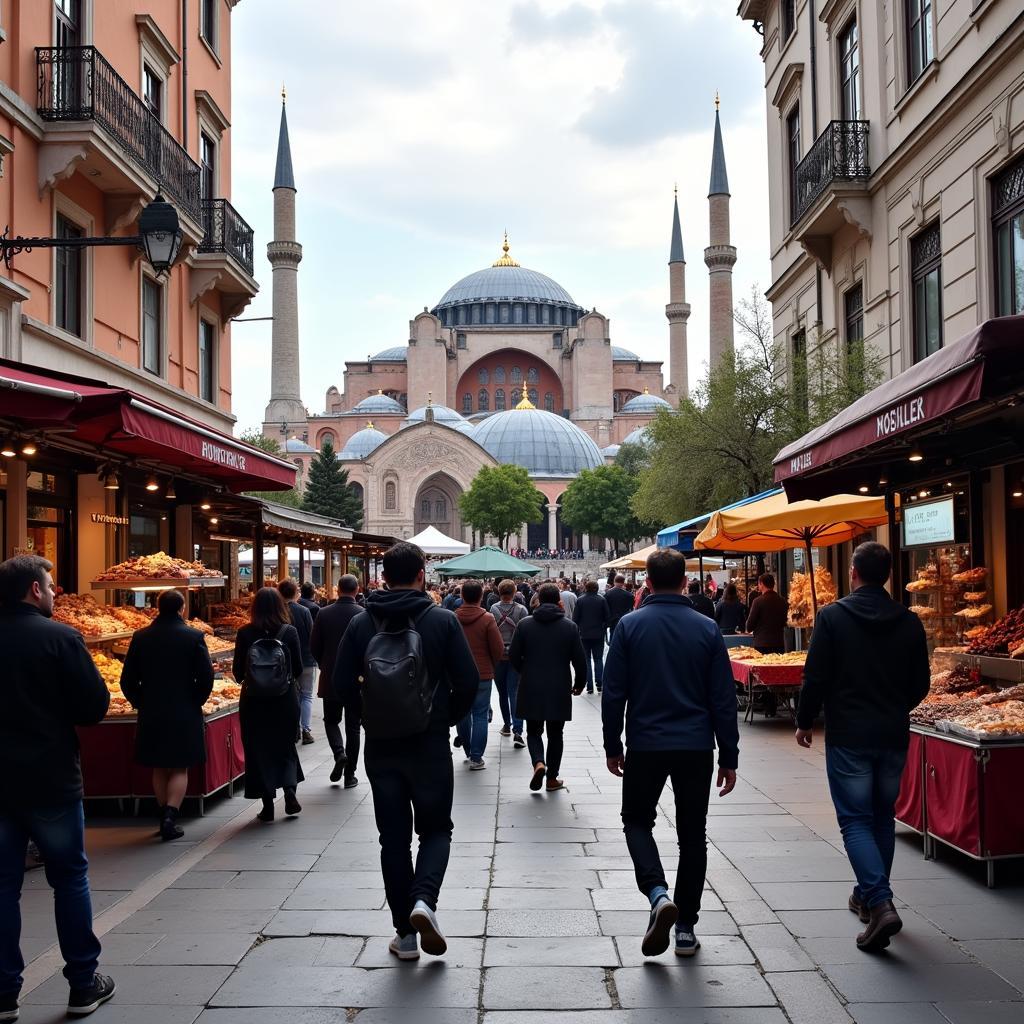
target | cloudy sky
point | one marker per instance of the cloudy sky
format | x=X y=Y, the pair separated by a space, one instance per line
x=421 y=131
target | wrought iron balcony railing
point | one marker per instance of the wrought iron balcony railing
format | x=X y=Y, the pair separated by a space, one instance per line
x=76 y=83
x=225 y=231
x=840 y=153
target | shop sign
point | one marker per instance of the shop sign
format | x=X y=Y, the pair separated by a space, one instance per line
x=899 y=417
x=929 y=525
x=223 y=456
x=100 y=517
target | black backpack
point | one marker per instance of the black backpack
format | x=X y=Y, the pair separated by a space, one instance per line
x=268 y=668
x=396 y=689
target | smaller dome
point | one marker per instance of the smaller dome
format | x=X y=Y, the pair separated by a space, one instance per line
x=378 y=404
x=645 y=403
x=296 y=446
x=465 y=427
x=638 y=436
x=546 y=445
x=623 y=355
x=361 y=443
x=398 y=354
x=442 y=414
x=610 y=451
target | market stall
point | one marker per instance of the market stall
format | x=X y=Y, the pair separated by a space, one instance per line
x=487 y=563
x=758 y=674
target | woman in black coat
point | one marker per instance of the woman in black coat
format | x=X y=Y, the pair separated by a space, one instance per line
x=730 y=612
x=544 y=648
x=269 y=724
x=168 y=676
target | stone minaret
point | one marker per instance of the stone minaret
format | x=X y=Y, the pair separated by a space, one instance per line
x=284 y=253
x=678 y=309
x=720 y=256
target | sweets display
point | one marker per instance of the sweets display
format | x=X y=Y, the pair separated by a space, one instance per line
x=744 y=654
x=801 y=605
x=1003 y=638
x=949 y=597
x=225 y=696
x=156 y=567
x=971 y=576
x=84 y=613
x=793 y=658
x=231 y=615
x=215 y=645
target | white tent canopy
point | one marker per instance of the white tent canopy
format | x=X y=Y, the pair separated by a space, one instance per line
x=434 y=542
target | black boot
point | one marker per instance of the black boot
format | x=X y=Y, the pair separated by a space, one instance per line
x=291 y=802
x=267 y=814
x=168 y=825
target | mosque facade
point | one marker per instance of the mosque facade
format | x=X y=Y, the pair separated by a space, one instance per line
x=506 y=367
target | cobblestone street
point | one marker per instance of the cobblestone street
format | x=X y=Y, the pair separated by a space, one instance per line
x=243 y=923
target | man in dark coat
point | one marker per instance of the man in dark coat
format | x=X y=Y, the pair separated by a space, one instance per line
x=591 y=615
x=50 y=686
x=328 y=630
x=619 y=601
x=412 y=777
x=168 y=676
x=669 y=676
x=302 y=620
x=767 y=619
x=547 y=653
x=867 y=666
x=700 y=600
x=307 y=598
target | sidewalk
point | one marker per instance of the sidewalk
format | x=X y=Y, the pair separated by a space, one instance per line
x=250 y=924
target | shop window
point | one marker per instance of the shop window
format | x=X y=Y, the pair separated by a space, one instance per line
x=798 y=372
x=484 y=376
x=556 y=339
x=152 y=327
x=208 y=22
x=153 y=92
x=390 y=496
x=849 y=72
x=853 y=307
x=1008 y=225
x=788 y=10
x=926 y=278
x=69 y=280
x=467 y=404
x=483 y=401
x=207 y=360
x=549 y=401
x=499 y=400
x=793 y=151
x=460 y=338
x=920 y=38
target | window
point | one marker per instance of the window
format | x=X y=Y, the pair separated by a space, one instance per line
x=499 y=400
x=788 y=18
x=207 y=345
x=1008 y=224
x=517 y=375
x=483 y=376
x=208 y=21
x=440 y=510
x=532 y=395
x=69 y=22
x=207 y=166
x=798 y=372
x=556 y=339
x=920 y=42
x=926 y=278
x=849 y=72
x=152 y=91
x=549 y=401
x=793 y=148
x=517 y=396
x=425 y=509
x=390 y=496
x=483 y=401
x=532 y=375
x=499 y=375
x=68 y=283
x=853 y=308
x=151 y=325
x=460 y=340
x=467 y=404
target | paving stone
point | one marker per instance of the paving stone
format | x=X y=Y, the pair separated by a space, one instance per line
x=751 y=912
x=581 y=951
x=687 y=985
x=532 y=835
x=275 y=953
x=365 y=922
x=911 y=946
x=707 y=1015
x=212 y=949
x=878 y=980
x=123 y=949
x=1004 y=956
x=255 y=860
x=543 y=988
x=807 y=999
x=462 y=952
x=114 y=1013
x=539 y=899
x=331 y=1015
x=628 y=922
x=632 y=899
x=982 y=1012
x=775 y=948
x=334 y=899
x=897 y=1013
x=715 y=950
x=211 y=879
x=541 y=922
x=804 y=895
x=189 y=922
x=145 y=986
x=219 y=899
x=992 y=921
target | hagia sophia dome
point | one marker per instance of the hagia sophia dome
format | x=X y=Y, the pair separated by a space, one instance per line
x=362 y=443
x=376 y=404
x=644 y=404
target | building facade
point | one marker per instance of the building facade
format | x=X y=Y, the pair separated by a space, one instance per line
x=896 y=171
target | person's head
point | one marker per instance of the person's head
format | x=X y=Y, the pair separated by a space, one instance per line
x=591 y=586
x=620 y=581
x=307 y=590
x=765 y=582
x=549 y=594
x=694 y=587
x=288 y=589
x=731 y=593
x=472 y=592
x=666 y=571
x=269 y=612
x=26 y=578
x=404 y=566
x=170 y=603
x=506 y=590
x=871 y=565
x=348 y=585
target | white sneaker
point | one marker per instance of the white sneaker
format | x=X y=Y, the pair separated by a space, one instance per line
x=477 y=766
x=405 y=947
x=424 y=921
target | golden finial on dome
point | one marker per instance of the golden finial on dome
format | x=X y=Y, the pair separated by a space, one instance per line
x=505 y=260
x=380 y=391
x=647 y=390
x=526 y=403
x=430 y=399
x=369 y=425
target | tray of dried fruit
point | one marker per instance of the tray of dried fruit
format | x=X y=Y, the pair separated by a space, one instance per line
x=99 y=624
x=157 y=571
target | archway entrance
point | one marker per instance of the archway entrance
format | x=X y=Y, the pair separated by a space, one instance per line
x=437 y=505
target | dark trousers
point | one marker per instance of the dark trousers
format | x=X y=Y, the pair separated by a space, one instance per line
x=594 y=652
x=412 y=782
x=506 y=679
x=332 y=727
x=556 y=744
x=643 y=780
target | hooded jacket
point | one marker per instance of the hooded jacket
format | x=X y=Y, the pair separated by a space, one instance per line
x=483 y=637
x=547 y=653
x=867 y=666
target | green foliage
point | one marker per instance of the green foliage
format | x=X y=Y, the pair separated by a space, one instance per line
x=293 y=496
x=328 y=492
x=598 y=502
x=255 y=437
x=633 y=458
x=499 y=500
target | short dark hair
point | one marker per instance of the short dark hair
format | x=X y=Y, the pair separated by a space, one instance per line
x=348 y=584
x=873 y=562
x=18 y=574
x=620 y=579
x=694 y=586
x=288 y=589
x=506 y=587
x=170 y=602
x=472 y=592
x=666 y=569
x=403 y=562
x=269 y=612
x=767 y=579
x=591 y=586
x=307 y=590
x=549 y=594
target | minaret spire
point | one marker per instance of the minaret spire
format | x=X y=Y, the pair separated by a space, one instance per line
x=283 y=176
x=720 y=255
x=677 y=311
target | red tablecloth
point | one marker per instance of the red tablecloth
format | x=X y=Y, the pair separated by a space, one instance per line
x=747 y=672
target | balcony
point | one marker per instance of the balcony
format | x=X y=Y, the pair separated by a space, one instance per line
x=224 y=231
x=830 y=188
x=98 y=125
x=223 y=260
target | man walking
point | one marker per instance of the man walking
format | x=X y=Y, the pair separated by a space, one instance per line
x=667 y=673
x=486 y=644
x=767 y=619
x=619 y=601
x=328 y=629
x=50 y=686
x=568 y=597
x=303 y=623
x=508 y=613
x=591 y=615
x=410 y=772
x=867 y=666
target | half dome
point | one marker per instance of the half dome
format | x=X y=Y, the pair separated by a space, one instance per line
x=362 y=443
x=296 y=446
x=645 y=403
x=397 y=354
x=442 y=414
x=544 y=444
x=378 y=404
x=624 y=355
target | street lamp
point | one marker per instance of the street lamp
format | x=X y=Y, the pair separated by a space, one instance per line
x=159 y=238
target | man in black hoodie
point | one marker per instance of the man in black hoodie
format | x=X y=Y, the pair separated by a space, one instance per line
x=867 y=666
x=411 y=777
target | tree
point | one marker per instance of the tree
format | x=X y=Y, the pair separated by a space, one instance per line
x=499 y=500
x=255 y=437
x=293 y=496
x=598 y=502
x=328 y=492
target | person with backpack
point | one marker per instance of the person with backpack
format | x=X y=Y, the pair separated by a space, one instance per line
x=411 y=665
x=302 y=620
x=267 y=663
x=508 y=613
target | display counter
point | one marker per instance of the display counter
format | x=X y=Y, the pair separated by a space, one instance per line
x=782 y=675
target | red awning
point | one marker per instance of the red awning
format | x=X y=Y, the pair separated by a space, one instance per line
x=981 y=365
x=119 y=421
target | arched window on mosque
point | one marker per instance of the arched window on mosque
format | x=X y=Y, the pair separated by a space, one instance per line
x=517 y=375
x=499 y=400
x=390 y=496
x=440 y=510
x=549 y=401
x=485 y=377
x=483 y=401
x=467 y=403
x=532 y=375
x=425 y=510
x=532 y=395
x=499 y=375
x=517 y=396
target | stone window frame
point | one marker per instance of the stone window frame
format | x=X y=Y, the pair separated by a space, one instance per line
x=145 y=274
x=65 y=207
x=389 y=491
x=157 y=53
x=209 y=317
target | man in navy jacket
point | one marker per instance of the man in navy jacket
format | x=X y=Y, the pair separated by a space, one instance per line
x=667 y=673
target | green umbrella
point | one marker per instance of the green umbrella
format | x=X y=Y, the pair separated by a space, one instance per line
x=487 y=563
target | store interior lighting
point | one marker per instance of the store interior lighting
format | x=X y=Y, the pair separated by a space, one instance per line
x=916 y=455
x=205 y=506
x=8 y=451
x=152 y=484
x=170 y=494
x=863 y=488
x=29 y=447
x=109 y=478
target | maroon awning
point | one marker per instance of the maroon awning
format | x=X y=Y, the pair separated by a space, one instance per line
x=986 y=363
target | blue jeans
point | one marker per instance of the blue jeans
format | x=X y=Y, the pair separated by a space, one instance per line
x=307 y=687
x=507 y=680
x=473 y=728
x=59 y=832
x=594 y=652
x=864 y=786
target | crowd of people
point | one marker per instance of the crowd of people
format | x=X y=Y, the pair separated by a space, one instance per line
x=408 y=663
x=549 y=554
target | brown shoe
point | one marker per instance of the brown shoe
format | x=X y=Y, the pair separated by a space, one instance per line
x=538 y=776
x=883 y=924
x=554 y=785
x=858 y=907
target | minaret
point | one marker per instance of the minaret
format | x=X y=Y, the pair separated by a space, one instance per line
x=284 y=253
x=720 y=256
x=678 y=309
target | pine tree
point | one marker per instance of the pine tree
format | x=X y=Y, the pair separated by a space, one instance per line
x=328 y=492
